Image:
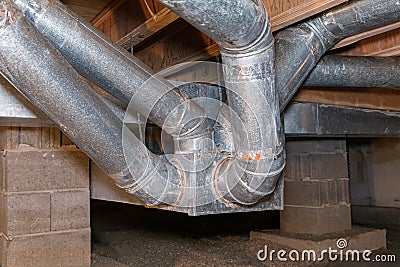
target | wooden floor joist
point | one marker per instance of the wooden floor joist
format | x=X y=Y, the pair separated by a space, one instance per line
x=388 y=52
x=295 y=14
x=213 y=51
x=87 y=9
x=369 y=98
x=162 y=19
x=106 y=12
x=165 y=17
x=301 y=12
x=364 y=35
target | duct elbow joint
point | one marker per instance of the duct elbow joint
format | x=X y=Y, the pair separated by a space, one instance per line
x=157 y=185
x=258 y=40
x=247 y=182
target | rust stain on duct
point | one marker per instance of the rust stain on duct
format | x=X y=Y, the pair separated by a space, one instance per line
x=251 y=156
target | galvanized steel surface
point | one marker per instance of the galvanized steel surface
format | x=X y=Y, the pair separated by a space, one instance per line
x=302 y=45
x=243 y=31
x=42 y=75
x=342 y=71
x=248 y=167
x=107 y=64
x=232 y=24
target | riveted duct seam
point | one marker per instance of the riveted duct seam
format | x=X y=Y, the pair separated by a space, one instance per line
x=43 y=76
x=302 y=45
x=243 y=31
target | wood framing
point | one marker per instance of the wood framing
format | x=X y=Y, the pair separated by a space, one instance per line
x=384 y=44
x=370 y=98
x=107 y=11
x=367 y=34
x=150 y=27
x=301 y=12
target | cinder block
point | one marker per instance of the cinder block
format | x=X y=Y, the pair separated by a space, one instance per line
x=36 y=170
x=2 y=250
x=70 y=210
x=3 y=131
x=316 y=166
x=328 y=166
x=329 y=192
x=315 y=220
x=297 y=167
x=316 y=193
x=44 y=207
x=343 y=190
x=302 y=193
x=2 y=182
x=50 y=249
x=26 y=213
x=3 y=218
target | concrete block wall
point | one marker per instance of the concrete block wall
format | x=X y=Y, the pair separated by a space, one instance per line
x=316 y=187
x=44 y=200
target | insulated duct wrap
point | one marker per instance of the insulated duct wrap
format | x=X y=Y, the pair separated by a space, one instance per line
x=344 y=71
x=43 y=76
x=110 y=67
x=256 y=93
x=243 y=31
x=302 y=46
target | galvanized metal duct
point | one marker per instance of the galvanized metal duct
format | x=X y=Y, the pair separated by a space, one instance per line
x=43 y=76
x=242 y=30
x=299 y=48
x=112 y=68
x=343 y=71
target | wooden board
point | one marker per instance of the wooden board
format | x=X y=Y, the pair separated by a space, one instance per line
x=367 y=34
x=121 y=16
x=147 y=29
x=88 y=9
x=172 y=49
x=283 y=13
x=289 y=12
x=107 y=12
x=371 y=98
x=385 y=44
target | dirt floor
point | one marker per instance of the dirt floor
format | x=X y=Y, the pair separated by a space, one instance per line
x=125 y=235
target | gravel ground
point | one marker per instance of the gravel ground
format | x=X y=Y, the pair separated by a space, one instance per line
x=125 y=235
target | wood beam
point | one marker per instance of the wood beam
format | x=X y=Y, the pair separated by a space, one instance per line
x=367 y=34
x=106 y=12
x=150 y=27
x=384 y=44
x=165 y=17
x=388 y=52
x=160 y=56
x=213 y=51
x=301 y=12
x=370 y=98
